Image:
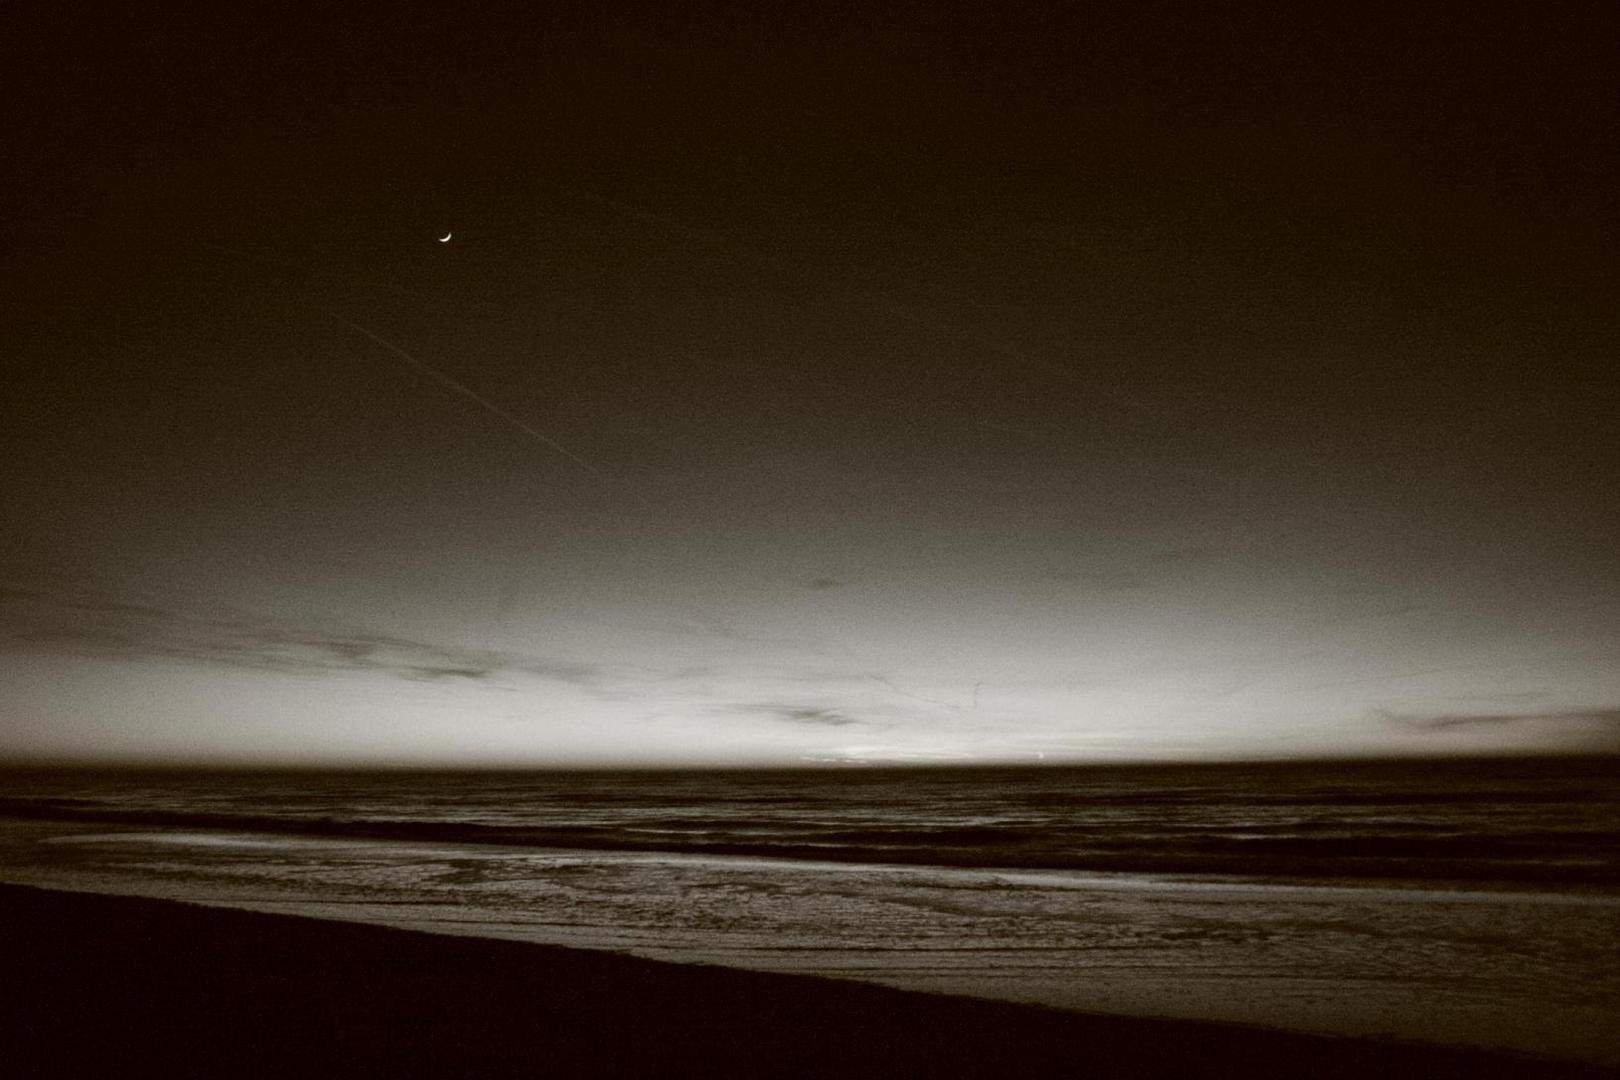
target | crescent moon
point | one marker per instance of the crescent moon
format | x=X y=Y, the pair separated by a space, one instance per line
x=445 y=239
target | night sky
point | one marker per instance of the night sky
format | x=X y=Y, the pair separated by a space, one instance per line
x=889 y=383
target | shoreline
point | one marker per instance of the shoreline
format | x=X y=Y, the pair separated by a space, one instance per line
x=132 y=986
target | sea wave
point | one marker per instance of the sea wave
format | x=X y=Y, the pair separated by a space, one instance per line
x=1345 y=850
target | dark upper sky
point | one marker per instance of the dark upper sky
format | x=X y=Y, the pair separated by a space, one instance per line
x=866 y=382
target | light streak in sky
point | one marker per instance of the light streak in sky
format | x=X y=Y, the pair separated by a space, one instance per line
x=692 y=615
x=423 y=367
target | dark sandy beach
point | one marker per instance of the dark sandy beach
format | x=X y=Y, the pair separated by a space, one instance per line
x=115 y=986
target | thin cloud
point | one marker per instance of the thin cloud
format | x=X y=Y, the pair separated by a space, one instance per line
x=1592 y=729
x=93 y=625
x=803 y=715
x=884 y=680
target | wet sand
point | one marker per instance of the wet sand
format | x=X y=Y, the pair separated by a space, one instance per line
x=104 y=986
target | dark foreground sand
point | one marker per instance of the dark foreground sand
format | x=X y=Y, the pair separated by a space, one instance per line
x=109 y=986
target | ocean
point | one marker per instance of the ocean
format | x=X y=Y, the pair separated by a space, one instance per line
x=1463 y=901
